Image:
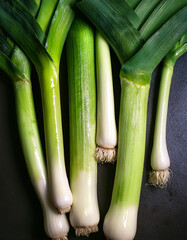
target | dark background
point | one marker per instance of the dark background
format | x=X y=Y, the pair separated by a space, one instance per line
x=162 y=212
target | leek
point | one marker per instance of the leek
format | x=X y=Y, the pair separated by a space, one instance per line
x=58 y=31
x=160 y=161
x=106 y=137
x=84 y=215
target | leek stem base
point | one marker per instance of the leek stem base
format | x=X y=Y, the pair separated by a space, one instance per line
x=105 y=155
x=85 y=231
x=62 y=210
x=61 y=238
x=160 y=178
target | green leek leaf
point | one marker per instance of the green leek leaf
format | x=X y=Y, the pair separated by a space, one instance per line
x=5 y=47
x=132 y=3
x=160 y=15
x=7 y=66
x=26 y=14
x=23 y=34
x=144 y=8
x=32 y=5
x=158 y=45
x=110 y=19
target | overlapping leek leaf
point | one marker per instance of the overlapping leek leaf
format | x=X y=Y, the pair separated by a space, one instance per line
x=26 y=13
x=23 y=35
x=160 y=15
x=62 y=21
x=32 y=5
x=144 y=8
x=132 y=3
x=5 y=47
x=110 y=19
x=158 y=46
x=46 y=12
x=18 y=57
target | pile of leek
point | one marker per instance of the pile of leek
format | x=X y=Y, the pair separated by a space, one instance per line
x=121 y=219
x=48 y=76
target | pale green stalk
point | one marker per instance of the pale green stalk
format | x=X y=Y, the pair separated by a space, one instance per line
x=58 y=30
x=160 y=161
x=120 y=221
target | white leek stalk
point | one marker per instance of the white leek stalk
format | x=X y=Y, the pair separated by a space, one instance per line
x=106 y=136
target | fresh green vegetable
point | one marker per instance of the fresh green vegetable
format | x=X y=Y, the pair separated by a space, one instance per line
x=106 y=137
x=160 y=161
x=84 y=215
x=58 y=31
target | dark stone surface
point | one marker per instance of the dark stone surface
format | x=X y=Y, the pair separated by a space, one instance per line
x=162 y=212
